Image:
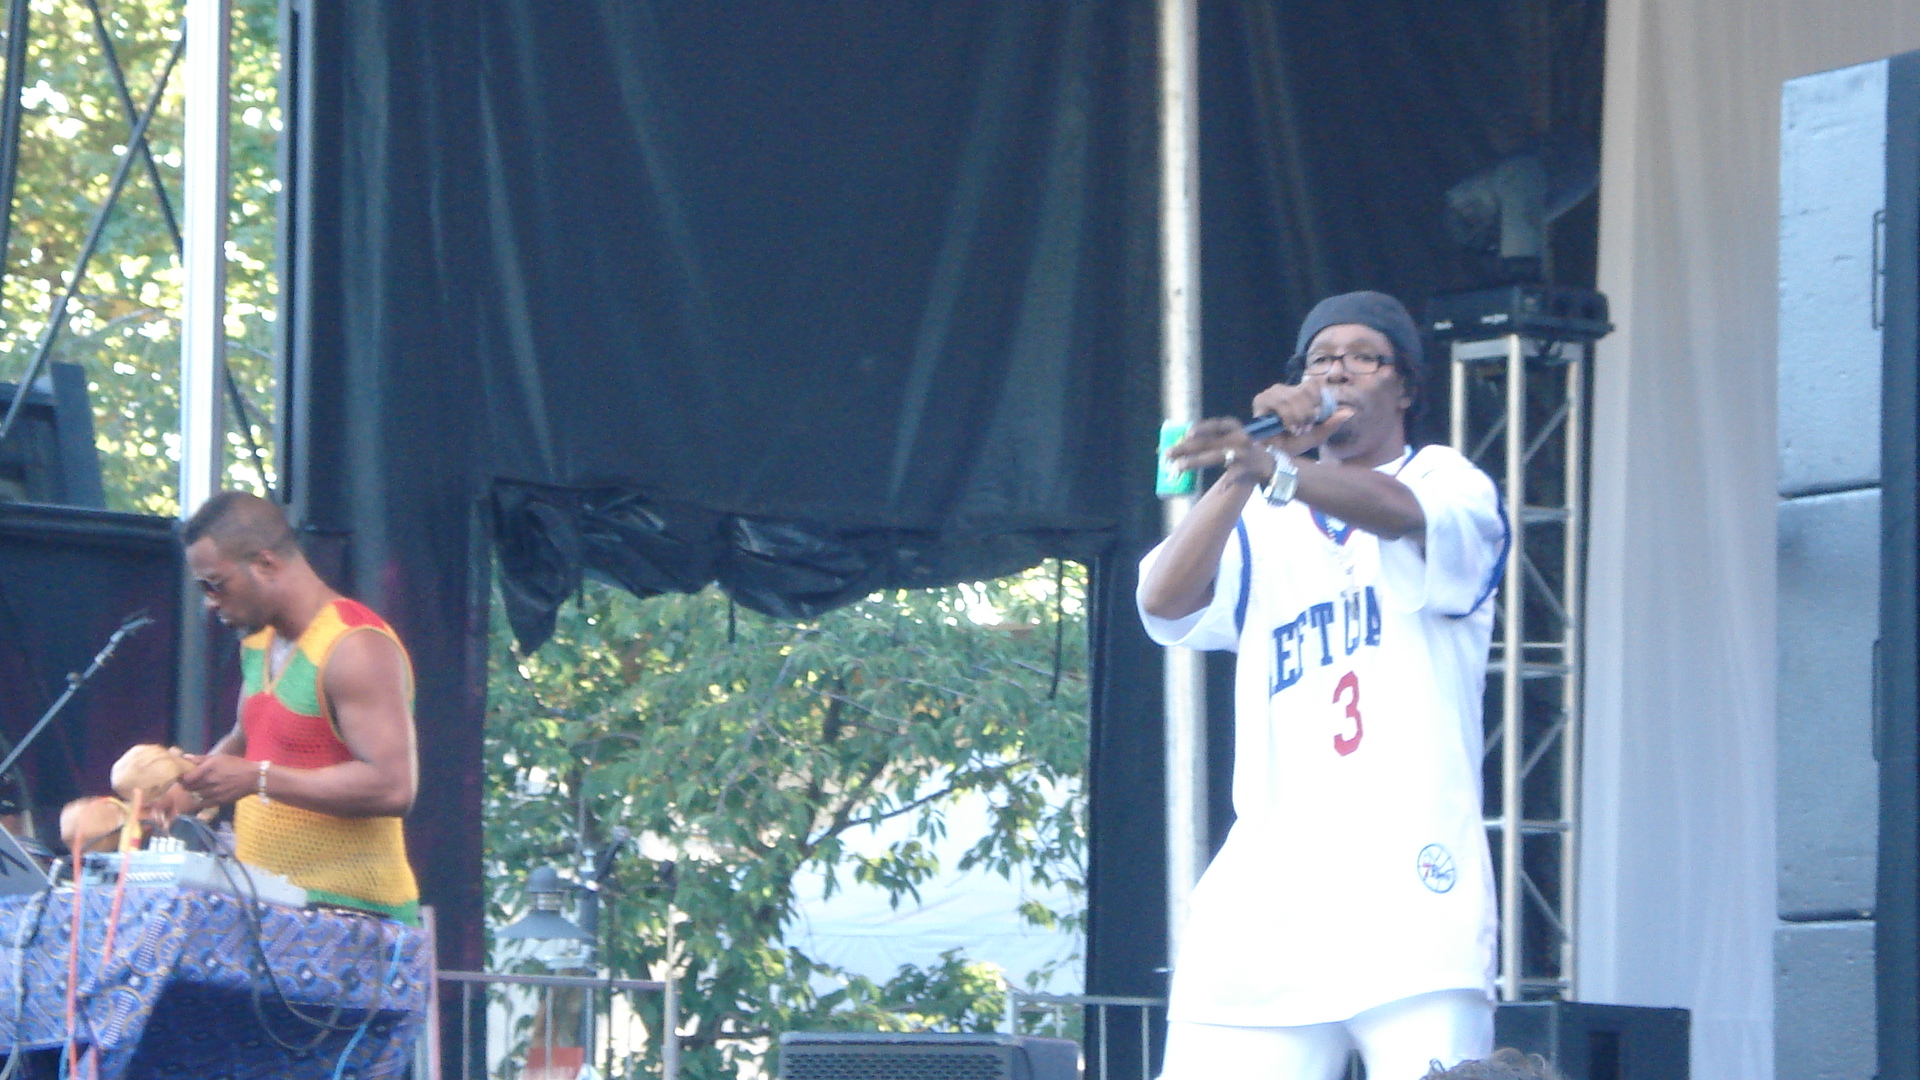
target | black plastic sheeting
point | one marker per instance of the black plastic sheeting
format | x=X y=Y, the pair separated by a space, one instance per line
x=811 y=299
x=810 y=302
x=551 y=538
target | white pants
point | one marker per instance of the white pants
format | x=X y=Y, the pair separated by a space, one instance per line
x=1398 y=1041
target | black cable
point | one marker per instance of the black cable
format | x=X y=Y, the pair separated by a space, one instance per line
x=241 y=406
x=249 y=902
x=19 y=19
x=132 y=111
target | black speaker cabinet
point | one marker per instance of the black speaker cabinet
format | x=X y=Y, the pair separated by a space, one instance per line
x=1599 y=1042
x=49 y=456
x=806 y=1055
x=1896 y=721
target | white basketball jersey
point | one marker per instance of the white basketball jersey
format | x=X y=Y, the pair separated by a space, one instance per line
x=1357 y=870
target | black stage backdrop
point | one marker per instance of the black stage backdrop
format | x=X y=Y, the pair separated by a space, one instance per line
x=815 y=299
x=68 y=578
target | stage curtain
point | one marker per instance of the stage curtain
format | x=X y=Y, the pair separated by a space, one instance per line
x=808 y=299
x=1677 y=884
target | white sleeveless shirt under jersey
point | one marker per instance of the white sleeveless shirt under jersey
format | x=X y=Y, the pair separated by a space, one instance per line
x=1357 y=870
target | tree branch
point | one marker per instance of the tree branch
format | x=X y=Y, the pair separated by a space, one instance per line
x=998 y=772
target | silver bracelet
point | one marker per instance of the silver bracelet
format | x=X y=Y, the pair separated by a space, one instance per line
x=260 y=788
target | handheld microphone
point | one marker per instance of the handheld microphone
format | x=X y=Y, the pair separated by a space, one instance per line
x=1261 y=427
x=1170 y=481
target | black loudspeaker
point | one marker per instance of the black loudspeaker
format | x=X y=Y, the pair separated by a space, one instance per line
x=49 y=456
x=1599 y=1042
x=808 y=1055
x=1896 y=690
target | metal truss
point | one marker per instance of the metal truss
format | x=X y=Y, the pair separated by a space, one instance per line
x=1519 y=412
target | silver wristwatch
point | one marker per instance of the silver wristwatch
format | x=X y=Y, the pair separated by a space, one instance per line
x=1286 y=476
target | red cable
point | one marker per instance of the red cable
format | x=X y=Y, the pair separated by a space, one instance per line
x=73 y=961
x=130 y=835
x=128 y=839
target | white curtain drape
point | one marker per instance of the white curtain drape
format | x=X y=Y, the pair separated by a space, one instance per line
x=1677 y=903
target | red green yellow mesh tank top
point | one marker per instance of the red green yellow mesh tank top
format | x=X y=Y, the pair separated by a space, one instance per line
x=354 y=862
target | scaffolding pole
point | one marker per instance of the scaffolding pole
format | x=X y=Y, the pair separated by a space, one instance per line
x=203 y=336
x=1185 y=722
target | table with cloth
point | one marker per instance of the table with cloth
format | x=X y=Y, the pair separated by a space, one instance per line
x=184 y=992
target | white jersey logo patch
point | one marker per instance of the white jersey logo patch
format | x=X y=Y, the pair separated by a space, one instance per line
x=1437 y=871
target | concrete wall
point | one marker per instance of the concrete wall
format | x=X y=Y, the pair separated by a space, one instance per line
x=1832 y=184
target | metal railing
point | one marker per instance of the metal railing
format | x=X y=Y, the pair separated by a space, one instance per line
x=563 y=1017
x=1101 y=1030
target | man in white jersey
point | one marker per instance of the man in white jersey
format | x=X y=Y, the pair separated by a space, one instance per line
x=1352 y=905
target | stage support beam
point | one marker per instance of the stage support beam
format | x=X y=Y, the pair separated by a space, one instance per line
x=1180 y=371
x=203 y=336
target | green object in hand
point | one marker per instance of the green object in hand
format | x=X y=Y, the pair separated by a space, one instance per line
x=1171 y=481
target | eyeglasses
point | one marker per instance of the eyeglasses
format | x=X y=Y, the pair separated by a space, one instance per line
x=217 y=586
x=1356 y=363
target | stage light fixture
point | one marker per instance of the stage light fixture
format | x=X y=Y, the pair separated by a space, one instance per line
x=1505 y=209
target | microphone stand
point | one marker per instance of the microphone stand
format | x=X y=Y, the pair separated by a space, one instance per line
x=74 y=682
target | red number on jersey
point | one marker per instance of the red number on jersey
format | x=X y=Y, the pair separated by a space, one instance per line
x=1341 y=744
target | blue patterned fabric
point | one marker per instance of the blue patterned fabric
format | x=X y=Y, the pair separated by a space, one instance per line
x=184 y=993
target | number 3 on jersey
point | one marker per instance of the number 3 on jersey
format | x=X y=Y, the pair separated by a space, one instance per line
x=1349 y=688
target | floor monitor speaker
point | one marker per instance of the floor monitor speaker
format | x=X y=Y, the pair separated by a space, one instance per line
x=925 y=1056
x=1586 y=1041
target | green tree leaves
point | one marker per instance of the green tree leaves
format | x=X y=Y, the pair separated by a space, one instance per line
x=748 y=749
x=124 y=326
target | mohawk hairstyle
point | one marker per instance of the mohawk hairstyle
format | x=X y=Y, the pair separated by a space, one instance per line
x=241 y=525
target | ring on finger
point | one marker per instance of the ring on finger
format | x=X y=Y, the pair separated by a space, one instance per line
x=1227 y=462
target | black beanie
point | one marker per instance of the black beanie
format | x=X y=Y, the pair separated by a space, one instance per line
x=1375 y=309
